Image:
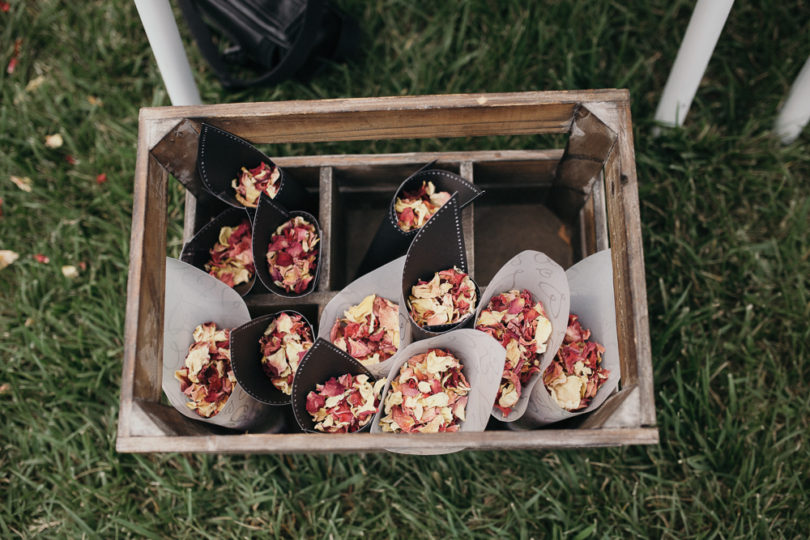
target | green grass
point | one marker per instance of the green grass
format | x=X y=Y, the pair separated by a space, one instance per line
x=725 y=210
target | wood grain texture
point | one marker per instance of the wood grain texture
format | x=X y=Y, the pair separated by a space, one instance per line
x=607 y=411
x=612 y=214
x=328 y=218
x=465 y=170
x=452 y=115
x=365 y=442
x=143 y=326
x=589 y=144
x=628 y=187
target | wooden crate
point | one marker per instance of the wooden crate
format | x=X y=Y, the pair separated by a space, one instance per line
x=588 y=189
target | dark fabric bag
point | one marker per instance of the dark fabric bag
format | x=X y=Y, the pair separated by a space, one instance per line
x=275 y=39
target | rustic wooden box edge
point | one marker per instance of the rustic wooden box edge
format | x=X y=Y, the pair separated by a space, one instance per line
x=633 y=419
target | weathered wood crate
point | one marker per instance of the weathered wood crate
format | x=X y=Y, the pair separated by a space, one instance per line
x=566 y=202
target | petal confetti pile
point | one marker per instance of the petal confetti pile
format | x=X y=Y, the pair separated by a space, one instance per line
x=428 y=396
x=576 y=373
x=446 y=299
x=415 y=208
x=252 y=182
x=207 y=378
x=344 y=404
x=523 y=328
x=368 y=331
x=232 y=255
x=284 y=343
x=291 y=254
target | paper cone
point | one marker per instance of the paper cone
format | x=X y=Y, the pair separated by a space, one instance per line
x=546 y=280
x=482 y=361
x=246 y=359
x=437 y=246
x=591 y=285
x=220 y=158
x=196 y=251
x=322 y=362
x=390 y=241
x=384 y=282
x=193 y=298
x=269 y=217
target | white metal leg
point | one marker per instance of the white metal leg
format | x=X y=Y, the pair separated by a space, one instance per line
x=164 y=38
x=795 y=112
x=696 y=49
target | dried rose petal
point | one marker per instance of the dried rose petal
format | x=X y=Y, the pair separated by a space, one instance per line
x=292 y=255
x=7 y=257
x=446 y=299
x=344 y=404
x=15 y=56
x=70 y=271
x=368 y=331
x=523 y=328
x=415 y=208
x=207 y=378
x=576 y=373
x=232 y=255
x=252 y=182
x=429 y=395
x=284 y=343
x=54 y=141
x=22 y=182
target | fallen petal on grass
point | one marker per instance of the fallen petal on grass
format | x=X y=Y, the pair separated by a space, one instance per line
x=7 y=257
x=101 y=178
x=40 y=258
x=54 y=141
x=70 y=272
x=22 y=182
x=34 y=83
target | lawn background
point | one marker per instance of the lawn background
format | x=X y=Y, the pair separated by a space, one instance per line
x=725 y=213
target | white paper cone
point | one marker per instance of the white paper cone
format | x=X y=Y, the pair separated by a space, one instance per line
x=482 y=361
x=384 y=282
x=193 y=298
x=546 y=280
x=591 y=285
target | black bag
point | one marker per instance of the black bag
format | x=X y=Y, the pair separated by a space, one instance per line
x=276 y=38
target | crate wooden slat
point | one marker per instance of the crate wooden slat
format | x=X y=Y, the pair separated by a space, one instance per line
x=590 y=185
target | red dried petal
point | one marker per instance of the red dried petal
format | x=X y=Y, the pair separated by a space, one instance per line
x=284 y=343
x=576 y=349
x=431 y=305
x=40 y=258
x=356 y=403
x=253 y=182
x=415 y=208
x=430 y=388
x=232 y=262
x=101 y=178
x=292 y=255
x=207 y=390
x=512 y=319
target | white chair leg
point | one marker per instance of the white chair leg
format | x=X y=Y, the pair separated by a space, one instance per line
x=164 y=38
x=696 y=50
x=795 y=113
